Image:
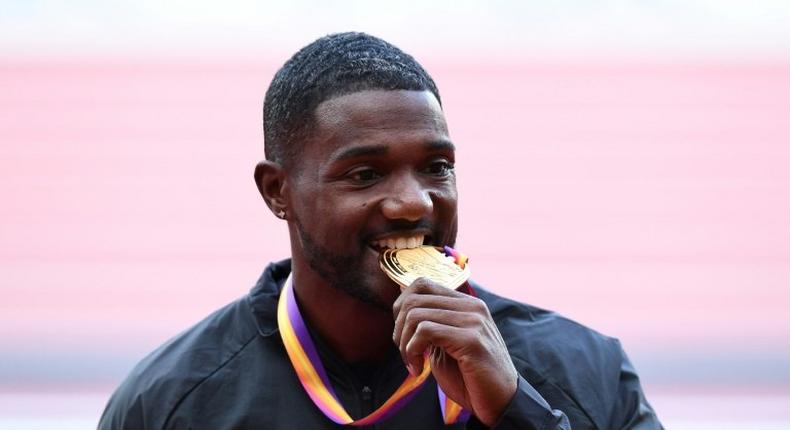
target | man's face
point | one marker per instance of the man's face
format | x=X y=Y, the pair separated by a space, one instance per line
x=377 y=173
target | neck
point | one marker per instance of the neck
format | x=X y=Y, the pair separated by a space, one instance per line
x=355 y=331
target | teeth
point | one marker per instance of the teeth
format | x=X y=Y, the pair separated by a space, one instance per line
x=400 y=242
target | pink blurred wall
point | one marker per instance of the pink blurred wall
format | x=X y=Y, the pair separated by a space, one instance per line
x=650 y=201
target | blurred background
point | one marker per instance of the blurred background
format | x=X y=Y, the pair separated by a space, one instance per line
x=626 y=163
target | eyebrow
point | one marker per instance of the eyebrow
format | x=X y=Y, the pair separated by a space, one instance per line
x=360 y=151
x=372 y=150
x=440 y=145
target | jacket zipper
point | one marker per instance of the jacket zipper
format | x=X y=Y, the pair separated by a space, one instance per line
x=367 y=403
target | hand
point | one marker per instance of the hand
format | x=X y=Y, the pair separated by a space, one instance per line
x=472 y=365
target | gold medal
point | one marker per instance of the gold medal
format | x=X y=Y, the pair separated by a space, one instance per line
x=405 y=265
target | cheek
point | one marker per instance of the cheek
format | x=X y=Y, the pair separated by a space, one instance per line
x=446 y=207
x=332 y=218
x=446 y=199
x=311 y=210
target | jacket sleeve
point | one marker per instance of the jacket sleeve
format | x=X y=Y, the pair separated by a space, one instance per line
x=631 y=410
x=527 y=410
x=118 y=415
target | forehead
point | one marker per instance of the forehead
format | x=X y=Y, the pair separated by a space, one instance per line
x=383 y=118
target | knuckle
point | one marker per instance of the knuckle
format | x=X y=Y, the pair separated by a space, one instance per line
x=424 y=327
x=421 y=284
x=480 y=306
x=479 y=320
x=412 y=318
x=409 y=302
x=477 y=340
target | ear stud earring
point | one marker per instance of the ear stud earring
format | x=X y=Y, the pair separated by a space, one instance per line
x=281 y=214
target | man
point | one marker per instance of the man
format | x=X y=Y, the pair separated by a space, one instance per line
x=358 y=160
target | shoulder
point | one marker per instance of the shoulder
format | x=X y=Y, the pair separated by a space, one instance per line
x=548 y=333
x=156 y=386
x=555 y=352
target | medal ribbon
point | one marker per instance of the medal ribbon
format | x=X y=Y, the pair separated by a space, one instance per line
x=310 y=371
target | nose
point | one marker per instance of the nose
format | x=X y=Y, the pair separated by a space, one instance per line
x=408 y=200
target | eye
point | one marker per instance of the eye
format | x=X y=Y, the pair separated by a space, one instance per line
x=363 y=174
x=440 y=168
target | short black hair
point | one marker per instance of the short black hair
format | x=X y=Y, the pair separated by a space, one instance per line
x=332 y=66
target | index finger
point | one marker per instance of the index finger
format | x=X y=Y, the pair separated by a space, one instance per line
x=424 y=286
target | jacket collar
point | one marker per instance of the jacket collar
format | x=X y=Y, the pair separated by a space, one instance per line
x=263 y=297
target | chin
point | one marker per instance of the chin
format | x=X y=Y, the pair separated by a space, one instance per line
x=388 y=291
x=383 y=289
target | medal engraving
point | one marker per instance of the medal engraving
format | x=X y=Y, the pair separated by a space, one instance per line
x=404 y=266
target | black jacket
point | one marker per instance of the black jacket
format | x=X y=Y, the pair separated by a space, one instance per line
x=231 y=371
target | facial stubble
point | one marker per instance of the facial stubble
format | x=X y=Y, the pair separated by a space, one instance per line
x=343 y=272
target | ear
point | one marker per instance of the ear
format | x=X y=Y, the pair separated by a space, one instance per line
x=270 y=179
